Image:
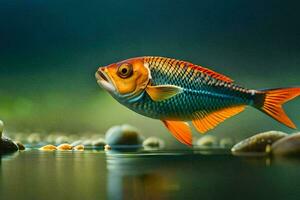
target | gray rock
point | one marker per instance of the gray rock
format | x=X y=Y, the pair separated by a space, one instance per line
x=7 y=145
x=258 y=142
x=123 y=136
x=207 y=141
x=287 y=146
x=153 y=142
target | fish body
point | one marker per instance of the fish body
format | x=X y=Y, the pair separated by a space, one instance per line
x=176 y=91
x=200 y=91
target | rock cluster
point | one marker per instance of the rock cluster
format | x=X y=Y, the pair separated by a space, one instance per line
x=62 y=147
x=274 y=143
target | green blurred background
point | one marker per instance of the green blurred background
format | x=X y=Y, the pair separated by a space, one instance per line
x=50 y=50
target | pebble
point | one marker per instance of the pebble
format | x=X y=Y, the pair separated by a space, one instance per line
x=124 y=135
x=207 y=141
x=20 y=146
x=79 y=147
x=287 y=146
x=153 y=142
x=258 y=142
x=48 y=147
x=64 y=147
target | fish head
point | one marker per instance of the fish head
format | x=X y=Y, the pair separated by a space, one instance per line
x=126 y=79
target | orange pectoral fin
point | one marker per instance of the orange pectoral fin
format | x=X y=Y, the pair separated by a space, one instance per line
x=162 y=92
x=180 y=130
x=206 y=122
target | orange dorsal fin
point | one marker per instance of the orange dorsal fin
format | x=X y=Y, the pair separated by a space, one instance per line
x=180 y=130
x=204 y=122
x=273 y=101
x=212 y=73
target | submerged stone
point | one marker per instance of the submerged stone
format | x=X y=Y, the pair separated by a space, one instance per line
x=153 y=142
x=207 y=141
x=7 y=145
x=287 y=146
x=48 y=147
x=258 y=142
x=20 y=146
x=64 y=147
x=124 y=136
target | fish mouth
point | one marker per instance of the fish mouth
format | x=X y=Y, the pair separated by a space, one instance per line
x=104 y=80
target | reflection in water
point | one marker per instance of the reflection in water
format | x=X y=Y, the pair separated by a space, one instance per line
x=9 y=156
x=197 y=175
x=53 y=175
x=147 y=175
x=135 y=177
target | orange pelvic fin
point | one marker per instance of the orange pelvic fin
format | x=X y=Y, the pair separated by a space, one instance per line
x=180 y=130
x=204 y=122
x=271 y=101
x=212 y=73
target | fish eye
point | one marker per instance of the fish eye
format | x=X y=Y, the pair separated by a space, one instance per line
x=125 y=70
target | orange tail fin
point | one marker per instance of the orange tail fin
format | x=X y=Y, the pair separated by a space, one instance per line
x=271 y=101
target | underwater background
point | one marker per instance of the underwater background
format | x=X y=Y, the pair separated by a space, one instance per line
x=50 y=50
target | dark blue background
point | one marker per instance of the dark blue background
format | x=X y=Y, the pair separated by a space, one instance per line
x=52 y=48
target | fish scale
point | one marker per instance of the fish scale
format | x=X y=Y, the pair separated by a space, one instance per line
x=201 y=93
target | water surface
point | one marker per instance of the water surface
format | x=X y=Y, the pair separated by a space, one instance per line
x=146 y=175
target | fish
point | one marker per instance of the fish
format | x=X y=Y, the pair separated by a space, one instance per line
x=177 y=92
